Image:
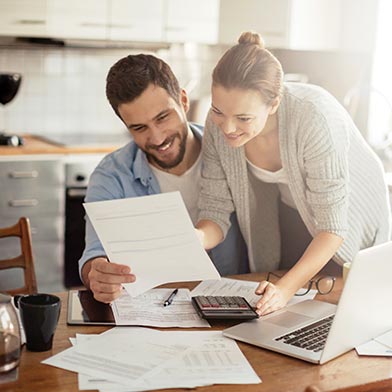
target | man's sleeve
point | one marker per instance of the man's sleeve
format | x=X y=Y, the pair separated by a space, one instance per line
x=102 y=186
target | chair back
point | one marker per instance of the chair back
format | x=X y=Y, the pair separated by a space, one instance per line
x=25 y=260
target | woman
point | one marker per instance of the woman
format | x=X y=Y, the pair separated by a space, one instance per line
x=270 y=147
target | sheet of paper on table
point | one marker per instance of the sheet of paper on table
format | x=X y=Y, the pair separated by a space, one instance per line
x=155 y=236
x=147 y=310
x=208 y=359
x=118 y=359
x=241 y=288
x=379 y=346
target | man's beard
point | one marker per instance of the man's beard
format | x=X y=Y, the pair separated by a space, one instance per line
x=177 y=160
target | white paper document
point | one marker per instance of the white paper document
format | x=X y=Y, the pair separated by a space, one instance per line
x=241 y=288
x=122 y=360
x=155 y=236
x=379 y=346
x=385 y=339
x=210 y=359
x=147 y=309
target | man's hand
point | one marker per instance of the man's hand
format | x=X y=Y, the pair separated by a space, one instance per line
x=274 y=298
x=104 y=279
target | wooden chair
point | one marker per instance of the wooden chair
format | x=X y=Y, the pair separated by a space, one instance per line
x=25 y=260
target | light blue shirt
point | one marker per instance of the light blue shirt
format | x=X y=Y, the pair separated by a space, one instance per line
x=126 y=173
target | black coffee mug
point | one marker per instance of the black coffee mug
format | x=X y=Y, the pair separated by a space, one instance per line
x=39 y=314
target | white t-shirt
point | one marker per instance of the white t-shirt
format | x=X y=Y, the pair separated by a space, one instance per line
x=188 y=184
x=279 y=177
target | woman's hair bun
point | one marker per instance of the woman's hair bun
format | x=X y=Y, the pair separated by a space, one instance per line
x=251 y=38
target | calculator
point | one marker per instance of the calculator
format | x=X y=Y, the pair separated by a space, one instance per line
x=224 y=308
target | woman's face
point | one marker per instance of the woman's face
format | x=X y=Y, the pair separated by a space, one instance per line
x=240 y=114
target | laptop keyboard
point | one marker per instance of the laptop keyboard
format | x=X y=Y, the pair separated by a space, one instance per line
x=312 y=337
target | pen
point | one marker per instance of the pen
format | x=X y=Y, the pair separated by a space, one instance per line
x=170 y=298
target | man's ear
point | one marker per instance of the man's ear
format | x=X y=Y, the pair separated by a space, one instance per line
x=274 y=105
x=184 y=100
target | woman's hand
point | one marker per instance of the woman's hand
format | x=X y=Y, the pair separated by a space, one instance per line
x=274 y=298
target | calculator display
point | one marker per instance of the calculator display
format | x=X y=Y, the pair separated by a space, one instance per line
x=223 y=307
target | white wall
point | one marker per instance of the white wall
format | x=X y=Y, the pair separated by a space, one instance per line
x=63 y=89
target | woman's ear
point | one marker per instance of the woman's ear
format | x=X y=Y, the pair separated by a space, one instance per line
x=184 y=100
x=274 y=105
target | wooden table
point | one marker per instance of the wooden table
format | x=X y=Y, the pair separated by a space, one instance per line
x=34 y=145
x=278 y=372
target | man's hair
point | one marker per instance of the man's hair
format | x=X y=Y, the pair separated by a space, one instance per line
x=129 y=77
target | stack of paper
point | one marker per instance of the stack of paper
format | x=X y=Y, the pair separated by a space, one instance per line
x=138 y=359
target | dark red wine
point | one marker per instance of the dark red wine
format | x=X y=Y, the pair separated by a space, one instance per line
x=9 y=351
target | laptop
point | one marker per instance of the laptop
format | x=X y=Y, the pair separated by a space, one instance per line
x=317 y=331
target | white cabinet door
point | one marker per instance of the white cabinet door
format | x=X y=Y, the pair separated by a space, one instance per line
x=23 y=18
x=74 y=19
x=288 y=24
x=270 y=18
x=192 y=21
x=315 y=25
x=135 y=20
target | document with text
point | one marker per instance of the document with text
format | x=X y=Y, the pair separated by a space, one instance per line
x=154 y=236
x=210 y=359
x=119 y=360
x=147 y=310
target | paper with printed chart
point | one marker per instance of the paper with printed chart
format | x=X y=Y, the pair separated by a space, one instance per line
x=154 y=236
x=210 y=359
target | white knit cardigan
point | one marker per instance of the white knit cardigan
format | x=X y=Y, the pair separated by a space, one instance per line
x=336 y=180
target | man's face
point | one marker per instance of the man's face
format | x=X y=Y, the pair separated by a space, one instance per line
x=158 y=125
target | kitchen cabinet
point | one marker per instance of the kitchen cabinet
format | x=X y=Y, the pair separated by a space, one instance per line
x=289 y=24
x=74 y=19
x=34 y=188
x=134 y=20
x=112 y=20
x=192 y=21
x=23 y=18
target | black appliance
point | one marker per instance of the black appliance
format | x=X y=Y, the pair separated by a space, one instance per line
x=77 y=175
x=9 y=86
x=10 y=140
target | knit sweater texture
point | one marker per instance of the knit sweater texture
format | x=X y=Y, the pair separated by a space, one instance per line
x=336 y=180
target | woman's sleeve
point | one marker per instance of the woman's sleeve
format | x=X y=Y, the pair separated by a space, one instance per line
x=327 y=174
x=215 y=201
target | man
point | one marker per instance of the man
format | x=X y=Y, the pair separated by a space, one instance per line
x=164 y=156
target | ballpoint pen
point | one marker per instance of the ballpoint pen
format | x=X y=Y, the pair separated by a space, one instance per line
x=170 y=298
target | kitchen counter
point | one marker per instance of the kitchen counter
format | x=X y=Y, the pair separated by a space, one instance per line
x=38 y=145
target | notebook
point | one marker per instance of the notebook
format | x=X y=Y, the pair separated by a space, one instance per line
x=317 y=331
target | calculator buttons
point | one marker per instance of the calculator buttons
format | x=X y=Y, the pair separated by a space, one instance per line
x=224 y=307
